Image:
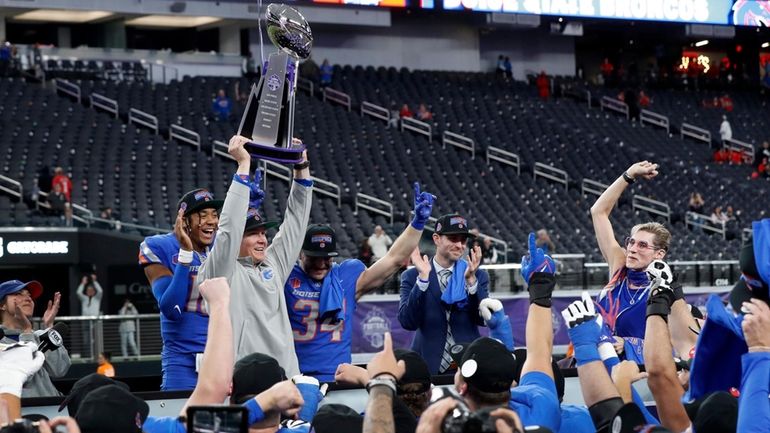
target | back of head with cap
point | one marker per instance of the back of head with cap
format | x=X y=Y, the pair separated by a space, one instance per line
x=254 y=374
x=111 y=409
x=83 y=387
x=714 y=413
x=488 y=368
x=414 y=386
x=337 y=418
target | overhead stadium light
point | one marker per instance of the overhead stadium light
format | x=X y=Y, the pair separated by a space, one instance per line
x=171 y=21
x=62 y=16
x=702 y=43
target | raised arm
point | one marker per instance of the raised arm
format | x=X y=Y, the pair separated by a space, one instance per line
x=384 y=371
x=599 y=392
x=658 y=359
x=224 y=256
x=537 y=270
x=80 y=292
x=284 y=250
x=376 y=275
x=216 y=370
x=97 y=287
x=753 y=406
x=600 y=212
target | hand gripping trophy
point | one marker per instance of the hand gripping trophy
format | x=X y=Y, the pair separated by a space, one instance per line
x=268 y=121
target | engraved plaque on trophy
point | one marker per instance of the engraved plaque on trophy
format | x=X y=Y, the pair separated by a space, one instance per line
x=268 y=121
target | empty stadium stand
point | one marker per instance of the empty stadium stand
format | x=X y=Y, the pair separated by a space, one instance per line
x=116 y=161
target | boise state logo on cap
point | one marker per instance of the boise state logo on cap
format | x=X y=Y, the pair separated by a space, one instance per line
x=458 y=221
x=452 y=224
x=203 y=195
x=321 y=240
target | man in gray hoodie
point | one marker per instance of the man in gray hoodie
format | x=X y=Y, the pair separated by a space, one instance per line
x=256 y=271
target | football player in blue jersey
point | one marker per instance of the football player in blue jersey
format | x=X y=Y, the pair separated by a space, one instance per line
x=321 y=295
x=171 y=262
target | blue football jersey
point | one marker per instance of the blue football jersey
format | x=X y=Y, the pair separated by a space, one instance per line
x=185 y=338
x=322 y=343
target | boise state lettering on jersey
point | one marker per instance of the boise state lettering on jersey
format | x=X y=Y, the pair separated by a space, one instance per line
x=322 y=343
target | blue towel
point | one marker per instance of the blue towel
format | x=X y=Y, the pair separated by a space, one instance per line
x=455 y=288
x=332 y=295
x=717 y=362
x=762 y=248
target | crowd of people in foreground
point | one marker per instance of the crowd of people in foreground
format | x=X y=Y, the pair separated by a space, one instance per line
x=240 y=316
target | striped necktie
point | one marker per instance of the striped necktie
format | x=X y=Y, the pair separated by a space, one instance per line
x=446 y=358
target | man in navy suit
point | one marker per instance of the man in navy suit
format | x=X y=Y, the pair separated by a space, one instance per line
x=440 y=296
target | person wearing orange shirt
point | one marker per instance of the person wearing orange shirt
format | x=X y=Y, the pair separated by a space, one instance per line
x=105 y=368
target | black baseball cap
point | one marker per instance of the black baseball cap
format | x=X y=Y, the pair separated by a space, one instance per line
x=751 y=284
x=320 y=241
x=486 y=364
x=630 y=419
x=198 y=199
x=82 y=387
x=337 y=418
x=714 y=413
x=255 y=221
x=254 y=374
x=111 y=409
x=453 y=224
x=416 y=370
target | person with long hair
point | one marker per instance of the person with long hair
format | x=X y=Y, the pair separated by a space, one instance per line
x=623 y=300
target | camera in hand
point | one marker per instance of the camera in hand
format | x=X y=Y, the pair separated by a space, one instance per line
x=217 y=419
x=21 y=426
x=461 y=419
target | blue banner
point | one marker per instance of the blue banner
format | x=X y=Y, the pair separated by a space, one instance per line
x=375 y=317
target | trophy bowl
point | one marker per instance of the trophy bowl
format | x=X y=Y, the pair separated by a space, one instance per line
x=289 y=30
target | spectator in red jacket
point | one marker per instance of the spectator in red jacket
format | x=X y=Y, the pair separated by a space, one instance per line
x=644 y=99
x=543 y=86
x=61 y=179
x=606 y=68
x=405 y=112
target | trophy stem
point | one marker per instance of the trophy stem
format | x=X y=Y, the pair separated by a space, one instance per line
x=293 y=68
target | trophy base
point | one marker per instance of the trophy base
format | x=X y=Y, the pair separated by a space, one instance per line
x=291 y=155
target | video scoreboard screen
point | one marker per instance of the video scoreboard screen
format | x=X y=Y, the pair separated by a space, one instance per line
x=420 y=4
x=726 y=12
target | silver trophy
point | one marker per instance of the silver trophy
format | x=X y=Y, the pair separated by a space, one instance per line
x=268 y=121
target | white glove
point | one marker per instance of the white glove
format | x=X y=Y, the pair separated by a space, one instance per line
x=301 y=378
x=17 y=364
x=489 y=306
x=579 y=311
x=660 y=274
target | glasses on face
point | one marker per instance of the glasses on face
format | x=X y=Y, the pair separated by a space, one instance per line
x=642 y=245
